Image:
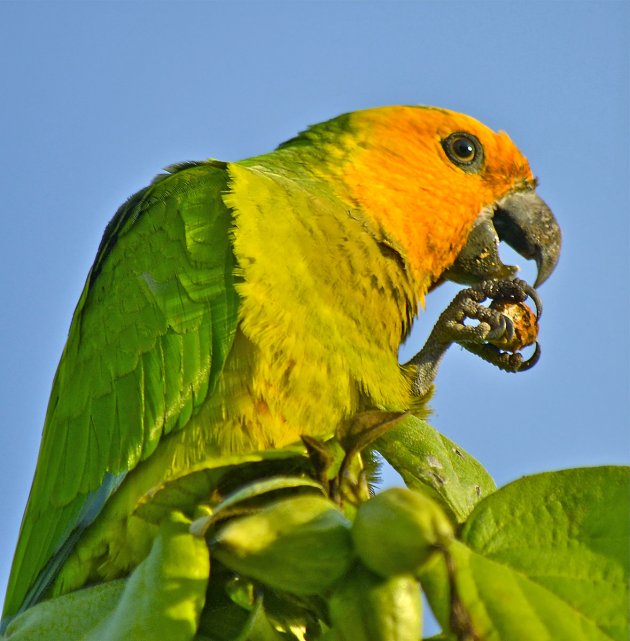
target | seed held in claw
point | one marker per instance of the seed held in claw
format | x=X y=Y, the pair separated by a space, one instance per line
x=525 y=325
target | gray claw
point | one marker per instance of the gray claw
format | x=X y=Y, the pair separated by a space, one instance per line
x=504 y=328
x=533 y=294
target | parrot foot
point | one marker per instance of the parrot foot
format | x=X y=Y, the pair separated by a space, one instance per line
x=338 y=465
x=491 y=326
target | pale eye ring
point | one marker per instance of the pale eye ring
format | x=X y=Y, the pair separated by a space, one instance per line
x=464 y=150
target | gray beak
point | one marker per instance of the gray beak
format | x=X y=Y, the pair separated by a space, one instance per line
x=525 y=223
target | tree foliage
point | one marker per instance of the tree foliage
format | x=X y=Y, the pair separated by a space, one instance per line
x=292 y=545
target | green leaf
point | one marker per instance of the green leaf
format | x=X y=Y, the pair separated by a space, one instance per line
x=300 y=545
x=429 y=461
x=165 y=594
x=187 y=490
x=162 y=598
x=259 y=488
x=267 y=488
x=258 y=627
x=66 y=618
x=546 y=557
x=367 y=607
x=229 y=602
x=252 y=626
x=398 y=530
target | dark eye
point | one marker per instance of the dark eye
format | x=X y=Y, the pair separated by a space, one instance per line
x=464 y=150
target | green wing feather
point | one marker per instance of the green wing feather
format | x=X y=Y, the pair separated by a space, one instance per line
x=148 y=339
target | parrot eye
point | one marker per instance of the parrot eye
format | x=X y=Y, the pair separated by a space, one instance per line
x=464 y=150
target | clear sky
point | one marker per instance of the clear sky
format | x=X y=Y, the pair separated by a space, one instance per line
x=97 y=97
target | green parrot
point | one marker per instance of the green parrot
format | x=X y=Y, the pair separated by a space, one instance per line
x=239 y=306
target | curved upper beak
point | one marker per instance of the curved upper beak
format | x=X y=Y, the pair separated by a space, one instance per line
x=521 y=219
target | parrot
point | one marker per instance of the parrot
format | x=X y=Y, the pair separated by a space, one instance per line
x=239 y=306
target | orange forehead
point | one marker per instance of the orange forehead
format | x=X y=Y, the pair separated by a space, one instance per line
x=399 y=173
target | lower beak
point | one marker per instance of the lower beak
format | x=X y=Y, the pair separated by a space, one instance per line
x=525 y=223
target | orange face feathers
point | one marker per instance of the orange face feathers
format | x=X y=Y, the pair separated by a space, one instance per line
x=423 y=175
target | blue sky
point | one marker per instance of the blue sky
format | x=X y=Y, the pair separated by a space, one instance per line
x=97 y=97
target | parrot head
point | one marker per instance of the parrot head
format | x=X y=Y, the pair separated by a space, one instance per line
x=443 y=190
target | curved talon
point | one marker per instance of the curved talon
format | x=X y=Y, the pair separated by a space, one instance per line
x=533 y=294
x=529 y=292
x=516 y=289
x=532 y=360
x=505 y=329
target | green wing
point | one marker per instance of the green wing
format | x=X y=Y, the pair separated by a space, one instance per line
x=148 y=339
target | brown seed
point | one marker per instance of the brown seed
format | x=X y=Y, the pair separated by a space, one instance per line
x=525 y=325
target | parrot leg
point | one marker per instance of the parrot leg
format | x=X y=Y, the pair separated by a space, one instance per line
x=337 y=462
x=492 y=325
